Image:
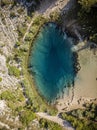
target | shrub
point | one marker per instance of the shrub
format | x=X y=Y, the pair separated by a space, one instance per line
x=94 y=37
x=12 y=14
x=49 y=125
x=0 y=79
x=87 y=4
x=14 y=99
x=27 y=116
x=12 y=70
x=6 y=2
x=12 y=96
x=21 y=30
x=7 y=95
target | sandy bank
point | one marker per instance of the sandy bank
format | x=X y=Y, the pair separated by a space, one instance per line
x=85 y=88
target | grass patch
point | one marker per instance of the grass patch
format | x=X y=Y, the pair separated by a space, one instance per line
x=0 y=79
x=26 y=116
x=13 y=70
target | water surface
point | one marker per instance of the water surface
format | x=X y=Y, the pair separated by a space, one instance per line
x=51 y=62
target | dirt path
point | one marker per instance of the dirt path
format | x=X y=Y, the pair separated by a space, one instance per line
x=56 y=119
x=28 y=28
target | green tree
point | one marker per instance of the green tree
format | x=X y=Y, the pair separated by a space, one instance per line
x=14 y=71
x=27 y=116
x=0 y=79
x=87 y=4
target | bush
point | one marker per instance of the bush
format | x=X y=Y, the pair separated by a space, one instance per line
x=83 y=119
x=12 y=14
x=14 y=99
x=49 y=125
x=7 y=95
x=87 y=4
x=94 y=37
x=54 y=16
x=20 y=10
x=6 y=2
x=12 y=70
x=21 y=30
x=77 y=113
x=27 y=116
x=0 y=79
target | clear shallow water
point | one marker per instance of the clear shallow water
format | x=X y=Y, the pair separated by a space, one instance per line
x=51 y=62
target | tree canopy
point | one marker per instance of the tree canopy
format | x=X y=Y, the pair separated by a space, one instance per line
x=87 y=4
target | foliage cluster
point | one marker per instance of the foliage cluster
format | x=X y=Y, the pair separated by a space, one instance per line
x=37 y=23
x=26 y=116
x=87 y=4
x=0 y=79
x=88 y=18
x=12 y=70
x=13 y=98
x=83 y=119
x=45 y=124
x=21 y=29
x=7 y=2
x=16 y=101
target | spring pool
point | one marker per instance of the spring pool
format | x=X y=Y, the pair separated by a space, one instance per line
x=51 y=62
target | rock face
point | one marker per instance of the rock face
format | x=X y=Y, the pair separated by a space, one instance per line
x=8 y=38
x=10 y=19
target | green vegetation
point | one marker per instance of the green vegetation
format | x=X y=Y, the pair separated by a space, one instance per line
x=55 y=16
x=0 y=79
x=83 y=119
x=26 y=116
x=87 y=4
x=87 y=18
x=80 y=119
x=12 y=14
x=14 y=98
x=21 y=29
x=12 y=70
x=45 y=124
x=18 y=43
x=7 y=2
x=16 y=101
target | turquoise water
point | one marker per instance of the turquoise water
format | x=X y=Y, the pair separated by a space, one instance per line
x=51 y=62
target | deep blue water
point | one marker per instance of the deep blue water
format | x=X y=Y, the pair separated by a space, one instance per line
x=51 y=62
